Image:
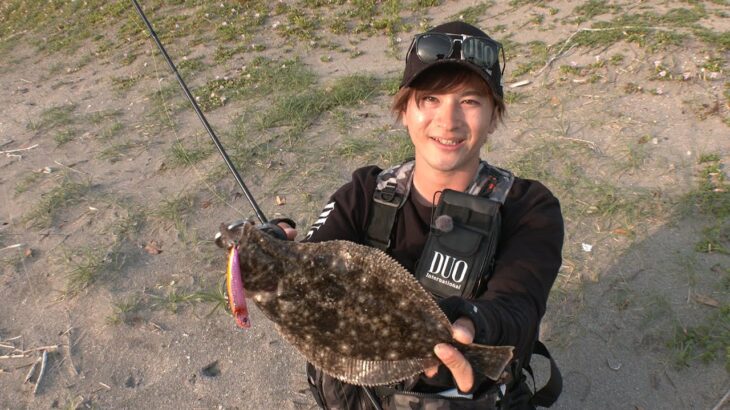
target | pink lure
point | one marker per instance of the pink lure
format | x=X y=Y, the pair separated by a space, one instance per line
x=236 y=293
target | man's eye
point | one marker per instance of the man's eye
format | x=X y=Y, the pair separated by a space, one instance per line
x=430 y=98
x=471 y=102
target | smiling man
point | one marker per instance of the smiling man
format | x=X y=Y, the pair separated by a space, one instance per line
x=485 y=243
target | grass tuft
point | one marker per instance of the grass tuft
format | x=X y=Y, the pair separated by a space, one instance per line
x=52 y=203
x=53 y=117
x=84 y=268
x=704 y=342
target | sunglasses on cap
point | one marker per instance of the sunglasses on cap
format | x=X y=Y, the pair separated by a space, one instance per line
x=480 y=51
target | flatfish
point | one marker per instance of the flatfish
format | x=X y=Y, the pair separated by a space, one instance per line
x=349 y=309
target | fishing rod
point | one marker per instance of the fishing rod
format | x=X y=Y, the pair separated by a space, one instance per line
x=202 y=118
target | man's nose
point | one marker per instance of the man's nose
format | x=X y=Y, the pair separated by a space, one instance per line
x=449 y=115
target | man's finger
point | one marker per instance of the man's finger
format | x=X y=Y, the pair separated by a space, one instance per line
x=457 y=364
x=463 y=330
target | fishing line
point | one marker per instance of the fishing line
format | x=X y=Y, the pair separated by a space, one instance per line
x=202 y=117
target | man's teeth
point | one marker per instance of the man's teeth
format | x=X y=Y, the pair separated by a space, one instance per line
x=447 y=142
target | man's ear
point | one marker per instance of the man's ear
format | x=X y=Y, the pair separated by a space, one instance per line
x=402 y=116
x=493 y=122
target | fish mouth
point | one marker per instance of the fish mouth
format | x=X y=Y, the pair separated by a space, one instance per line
x=449 y=142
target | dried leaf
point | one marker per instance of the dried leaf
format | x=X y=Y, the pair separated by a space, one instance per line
x=153 y=248
x=28 y=252
x=705 y=300
x=621 y=231
x=206 y=204
x=555 y=101
x=280 y=200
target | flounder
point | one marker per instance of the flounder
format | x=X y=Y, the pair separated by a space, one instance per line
x=349 y=309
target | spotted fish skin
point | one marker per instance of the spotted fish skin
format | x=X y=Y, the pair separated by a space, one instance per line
x=349 y=309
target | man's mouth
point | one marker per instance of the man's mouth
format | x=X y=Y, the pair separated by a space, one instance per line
x=450 y=142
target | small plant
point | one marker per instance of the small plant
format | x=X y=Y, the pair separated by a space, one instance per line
x=176 y=210
x=124 y=84
x=54 y=117
x=704 y=341
x=512 y=97
x=705 y=158
x=472 y=14
x=593 y=8
x=115 y=152
x=617 y=59
x=27 y=182
x=62 y=137
x=123 y=309
x=180 y=155
x=67 y=193
x=84 y=268
x=353 y=147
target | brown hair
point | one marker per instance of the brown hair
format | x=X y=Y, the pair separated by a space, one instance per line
x=445 y=78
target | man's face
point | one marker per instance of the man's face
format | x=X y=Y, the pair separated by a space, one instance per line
x=449 y=128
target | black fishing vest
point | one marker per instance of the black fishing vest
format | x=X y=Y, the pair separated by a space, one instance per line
x=459 y=253
x=458 y=257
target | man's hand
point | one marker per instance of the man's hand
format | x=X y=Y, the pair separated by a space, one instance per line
x=281 y=228
x=463 y=331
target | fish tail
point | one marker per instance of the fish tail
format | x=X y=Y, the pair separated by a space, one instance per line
x=236 y=292
x=488 y=360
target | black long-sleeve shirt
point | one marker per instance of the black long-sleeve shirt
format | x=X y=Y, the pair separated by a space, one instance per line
x=527 y=259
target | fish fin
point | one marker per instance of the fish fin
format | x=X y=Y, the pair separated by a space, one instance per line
x=488 y=360
x=357 y=371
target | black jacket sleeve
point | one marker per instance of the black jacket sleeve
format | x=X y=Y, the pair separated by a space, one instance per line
x=345 y=214
x=526 y=264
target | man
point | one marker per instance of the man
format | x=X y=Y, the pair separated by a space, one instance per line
x=450 y=101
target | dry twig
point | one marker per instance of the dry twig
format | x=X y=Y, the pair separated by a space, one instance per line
x=32 y=370
x=19 y=149
x=70 y=168
x=720 y=405
x=44 y=362
x=12 y=356
x=17 y=245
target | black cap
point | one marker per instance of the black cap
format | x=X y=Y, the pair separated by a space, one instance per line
x=414 y=65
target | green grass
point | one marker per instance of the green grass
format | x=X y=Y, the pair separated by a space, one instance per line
x=65 y=136
x=103 y=116
x=123 y=309
x=54 y=117
x=176 y=210
x=27 y=182
x=707 y=342
x=115 y=152
x=472 y=14
x=124 y=84
x=593 y=8
x=640 y=29
x=299 y=111
x=352 y=147
x=180 y=155
x=261 y=77
x=512 y=97
x=174 y=298
x=300 y=25
x=85 y=266
x=54 y=202
x=536 y=54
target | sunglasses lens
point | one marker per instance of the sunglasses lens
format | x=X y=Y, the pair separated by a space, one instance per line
x=432 y=47
x=480 y=52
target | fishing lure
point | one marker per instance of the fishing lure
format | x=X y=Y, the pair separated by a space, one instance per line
x=236 y=292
